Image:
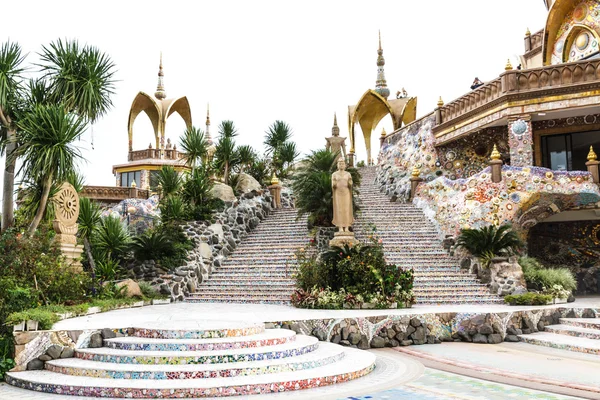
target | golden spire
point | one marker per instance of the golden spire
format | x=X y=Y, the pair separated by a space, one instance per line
x=380 y=83
x=208 y=137
x=160 y=88
x=528 y=33
x=415 y=172
x=440 y=102
x=508 y=66
x=592 y=155
x=383 y=133
x=133 y=184
x=335 y=130
x=495 y=154
x=274 y=179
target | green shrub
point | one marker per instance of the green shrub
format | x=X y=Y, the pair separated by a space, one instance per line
x=109 y=270
x=490 y=241
x=539 y=277
x=149 y=291
x=112 y=238
x=528 y=299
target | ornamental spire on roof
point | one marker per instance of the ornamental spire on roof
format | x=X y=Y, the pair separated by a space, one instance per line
x=160 y=93
x=381 y=84
x=335 y=131
x=208 y=137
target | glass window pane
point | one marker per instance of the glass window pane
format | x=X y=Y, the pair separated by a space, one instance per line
x=558 y=152
x=581 y=143
x=123 y=179
x=137 y=178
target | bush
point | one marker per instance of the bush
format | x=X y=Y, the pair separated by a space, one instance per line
x=538 y=277
x=490 y=241
x=528 y=299
x=112 y=238
x=347 y=273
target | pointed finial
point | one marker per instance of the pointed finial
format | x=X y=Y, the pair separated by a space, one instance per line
x=383 y=133
x=495 y=154
x=440 y=102
x=508 y=66
x=380 y=83
x=415 y=172
x=592 y=155
x=274 y=179
x=160 y=88
x=335 y=130
x=208 y=137
x=528 y=33
x=380 y=39
x=133 y=184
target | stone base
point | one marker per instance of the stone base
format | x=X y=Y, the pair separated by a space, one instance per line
x=73 y=255
x=340 y=239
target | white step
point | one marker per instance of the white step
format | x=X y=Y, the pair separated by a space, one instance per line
x=565 y=342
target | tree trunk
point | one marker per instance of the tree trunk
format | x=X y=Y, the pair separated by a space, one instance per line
x=226 y=177
x=42 y=207
x=9 y=182
x=88 y=252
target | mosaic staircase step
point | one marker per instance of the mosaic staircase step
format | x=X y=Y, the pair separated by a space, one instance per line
x=576 y=331
x=250 y=276
x=249 y=282
x=239 y=300
x=356 y=364
x=435 y=287
x=268 y=338
x=565 y=342
x=326 y=354
x=203 y=330
x=302 y=345
x=243 y=292
x=592 y=323
x=461 y=300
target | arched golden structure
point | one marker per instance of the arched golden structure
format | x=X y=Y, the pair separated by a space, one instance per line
x=370 y=110
x=158 y=111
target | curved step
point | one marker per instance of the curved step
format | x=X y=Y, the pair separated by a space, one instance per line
x=269 y=337
x=356 y=364
x=302 y=345
x=203 y=330
x=326 y=354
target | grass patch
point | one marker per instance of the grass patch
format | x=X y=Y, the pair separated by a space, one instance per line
x=528 y=299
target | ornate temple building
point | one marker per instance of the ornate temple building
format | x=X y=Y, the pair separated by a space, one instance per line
x=544 y=118
x=133 y=178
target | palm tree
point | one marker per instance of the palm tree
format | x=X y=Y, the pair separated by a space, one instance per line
x=10 y=93
x=88 y=221
x=226 y=155
x=46 y=135
x=312 y=187
x=168 y=181
x=247 y=157
x=112 y=239
x=227 y=129
x=490 y=241
x=194 y=145
x=276 y=136
x=288 y=154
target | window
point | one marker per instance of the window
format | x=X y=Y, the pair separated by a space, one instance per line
x=568 y=152
x=127 y=178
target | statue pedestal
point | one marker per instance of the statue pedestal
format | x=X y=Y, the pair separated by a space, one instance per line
x=72 y=253
x=340 y=239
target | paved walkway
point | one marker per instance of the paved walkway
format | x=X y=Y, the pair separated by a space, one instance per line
x=268 y=313
x=395 y=377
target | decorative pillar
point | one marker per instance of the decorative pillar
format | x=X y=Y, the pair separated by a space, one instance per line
x=275 y=190
x=133 y=190
x=351 y=157
x=66 y=206
x=382 y=137
x=592 y=165
x=438 y=111
x=496 y=164
x=520 y=141
x=415 y=179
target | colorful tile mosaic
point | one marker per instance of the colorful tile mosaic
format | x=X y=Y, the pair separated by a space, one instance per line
x=578 y=31
x=199 y=334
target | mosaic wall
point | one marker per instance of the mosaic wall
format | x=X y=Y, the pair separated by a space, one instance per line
x=145 y=212
x=521 y=142
x=585 y=43
x=523 y=197
x=414 y=146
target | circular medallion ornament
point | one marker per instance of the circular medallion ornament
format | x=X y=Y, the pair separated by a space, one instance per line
x=580 y=12
x=582 y=41
x=67 y=205
x=519 y=127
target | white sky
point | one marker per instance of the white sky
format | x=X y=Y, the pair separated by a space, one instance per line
x=259 y=61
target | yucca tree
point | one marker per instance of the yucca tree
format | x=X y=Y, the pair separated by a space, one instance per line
x=247 y=156
x=276 y=135
x=227 y=129
x=288 y=154
x=490 y=241
x=312 y=187
x=47 y=151
x=194 y=145
x=11 y=88
x=226 y=155
x=88 y=221
x=168 y=181
x=112 y=239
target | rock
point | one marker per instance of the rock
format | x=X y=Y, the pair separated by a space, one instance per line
x=519 y=290
x=415 y=322
x=494 y=338
x=406 y=342
x=494 y=288
x=345 y=333
x=354 y=338
x=571 y=298
x=247 y=183
x=464 y=336
x=430 y=339
x=485 y=329
x=35 y=364
x=320 y=334
x=296 y=328
x=391 y=333
x=419 y=334
x=108 y=333
x=54 y=351
x=45 y=357
x=479 y=338
x=541 y=326
x=133 y=289
x=511 y=330
x=67 y=353
x=497 y=328
x=336 y=339
x=96 y=341
x=223 y=192
x=344 y=342
x=419 y=342
x=410 y=330
x=364 y=343
x=511 y=338
x=377 y=342
x=394 y=343
x=588 y=313
x=526 y=331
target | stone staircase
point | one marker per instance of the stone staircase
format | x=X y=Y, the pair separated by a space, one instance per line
x=410 y=240
x=198 y=361
x=574 y=334
x=260 y=269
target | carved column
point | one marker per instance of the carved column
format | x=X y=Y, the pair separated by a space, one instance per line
x=415 y=179
x=66 y=206
x=275 y=190
x=592 y=165
x=496 y=164
x=520 y=141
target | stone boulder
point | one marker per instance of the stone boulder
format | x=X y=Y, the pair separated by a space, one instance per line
x=223 y=192
x=133 y=289
x=507 y=274
x=246 y=183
